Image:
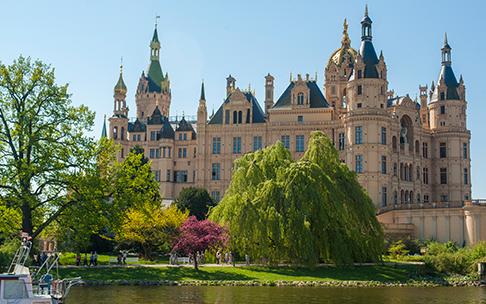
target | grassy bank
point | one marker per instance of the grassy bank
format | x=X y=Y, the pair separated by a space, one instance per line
x=375 y=275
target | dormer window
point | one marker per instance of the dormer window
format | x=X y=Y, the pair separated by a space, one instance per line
x=300 y=99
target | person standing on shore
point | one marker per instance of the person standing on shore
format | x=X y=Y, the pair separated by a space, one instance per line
x=218 y=257
x=95 y=259
x=247 y=260
x=78 y=259
x=85 y=260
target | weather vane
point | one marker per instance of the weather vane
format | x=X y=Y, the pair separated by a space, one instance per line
x=156 y=20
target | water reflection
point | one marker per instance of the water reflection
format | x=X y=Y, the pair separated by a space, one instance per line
x=260 y=295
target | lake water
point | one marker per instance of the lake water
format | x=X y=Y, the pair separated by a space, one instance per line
x=286 y=295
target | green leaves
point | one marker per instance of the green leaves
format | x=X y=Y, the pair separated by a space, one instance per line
x=302 y=211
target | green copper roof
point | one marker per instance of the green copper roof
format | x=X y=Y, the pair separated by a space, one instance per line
x=120 y=85
x=155 y=38
x=155 y=76
x=103 y=131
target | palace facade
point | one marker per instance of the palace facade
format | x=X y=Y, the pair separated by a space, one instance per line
x=412 y=156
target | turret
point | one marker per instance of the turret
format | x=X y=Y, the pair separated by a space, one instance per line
x=119 y=120
x=424 y=109
x=268 y=92
x=230 y=85
x=202 y=113
x=120 y=94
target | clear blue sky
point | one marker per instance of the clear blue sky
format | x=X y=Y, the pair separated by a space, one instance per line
x=84 y=41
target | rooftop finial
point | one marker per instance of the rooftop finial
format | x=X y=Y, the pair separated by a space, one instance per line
x=156 y=20
x=445 y=39
x=121 y=65
x=345 y=41
x=366 y=10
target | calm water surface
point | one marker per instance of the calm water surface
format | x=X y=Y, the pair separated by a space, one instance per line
x=286 y=295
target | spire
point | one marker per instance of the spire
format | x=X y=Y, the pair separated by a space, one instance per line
x=120 y=86
x=203 y=95
x=346 y=42
x=155 y=43
x=103 y=131
x=366 y=26
x=446 y=52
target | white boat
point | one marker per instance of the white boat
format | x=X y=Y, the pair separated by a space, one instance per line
x=18 y=286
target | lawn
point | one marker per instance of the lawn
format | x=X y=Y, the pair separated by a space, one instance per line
x=381 y=273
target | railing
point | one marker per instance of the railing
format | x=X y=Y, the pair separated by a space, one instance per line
x=406 y=206
x=172 y=119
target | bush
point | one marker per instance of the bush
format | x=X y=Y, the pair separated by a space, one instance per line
x=448 y=258
x=398 y=249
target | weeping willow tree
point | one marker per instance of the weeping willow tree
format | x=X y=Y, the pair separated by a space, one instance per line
x=303 y=211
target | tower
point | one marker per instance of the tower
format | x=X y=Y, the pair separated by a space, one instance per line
x=154 y=87
x=119 y=120
x=268 y=92
x=451 y=139
x=366 y=118
x=230 y=85
x=338 y=71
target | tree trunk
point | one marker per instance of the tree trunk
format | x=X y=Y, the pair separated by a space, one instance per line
x=26 y=218
x=194 y=257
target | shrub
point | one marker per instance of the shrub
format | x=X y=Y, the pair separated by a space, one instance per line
x=398 y=249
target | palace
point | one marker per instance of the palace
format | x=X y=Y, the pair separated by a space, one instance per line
x=412 y=156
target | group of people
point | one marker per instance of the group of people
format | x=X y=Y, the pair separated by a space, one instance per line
x=93 y=259
x=226 y=258
x=122 y=257
x=40 y=259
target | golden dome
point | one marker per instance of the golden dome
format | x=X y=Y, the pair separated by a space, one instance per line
x=345 y=50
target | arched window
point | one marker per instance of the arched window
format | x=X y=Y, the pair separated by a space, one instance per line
x=410 y=197
x=248 y=120
x=122 y=133
x=395 y=197
x=240 y=117
x=418 y=198
x=402 y=172
x=402 y=197
x=115 y=133
x=235 y=117
x=394 y=143
x=300 y=98
x=406 y=197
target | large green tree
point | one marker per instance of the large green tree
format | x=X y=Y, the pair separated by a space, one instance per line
x=50 y=169
x=196 y=200
x=302 y=211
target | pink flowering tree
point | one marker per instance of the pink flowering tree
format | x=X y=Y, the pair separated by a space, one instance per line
x=198 y=236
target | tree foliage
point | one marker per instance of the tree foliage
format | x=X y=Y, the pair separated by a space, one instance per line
x=302 y=211
x=199 y=236
x=50 y=169
x=152 y=228
x=196 y=200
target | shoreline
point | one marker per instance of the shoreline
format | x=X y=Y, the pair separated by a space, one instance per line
x=342 y=284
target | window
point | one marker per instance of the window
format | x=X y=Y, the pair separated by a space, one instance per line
x=286 y=141
x=341 y=141
x=182 y=153
x=247 y=115
x=442 y=150
x=442 y=109
x=138 y=137
x=236 y=145
x=444 y=198
x=180 y=176
x=152 y=153
x=164 y=152
x=383 y=135
x=216 y=168
x=184 y=136
x=395 y=197
x=168 y=151
x=425 y=173
x=134 y=138
x=180 y=136
x=359 y=105
x=359 y=163
x=299 y=143
x=300 y=119
x=122 y=133
x=240 y=117
x=383 y=164
x=360 y=74
x=333 y=90
x=157 y=175
x=227 y=117
x=300 y=98
x=167 y=176
x=216 y=196
x=383 y=196
x=216 y=145
x=418 y=174
x=154 y=135
x=442 y=96
x=464 y=150
x=425 y=149
x=426 y=198
x=14 y=289
x=466 y=176
x=257 y=143
x=395 y=169
x=115 y=133
x=360 y=90
x=235 y=117
x=417 y=147
x=358 y=135
x=394 y=143
x=443 y=176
